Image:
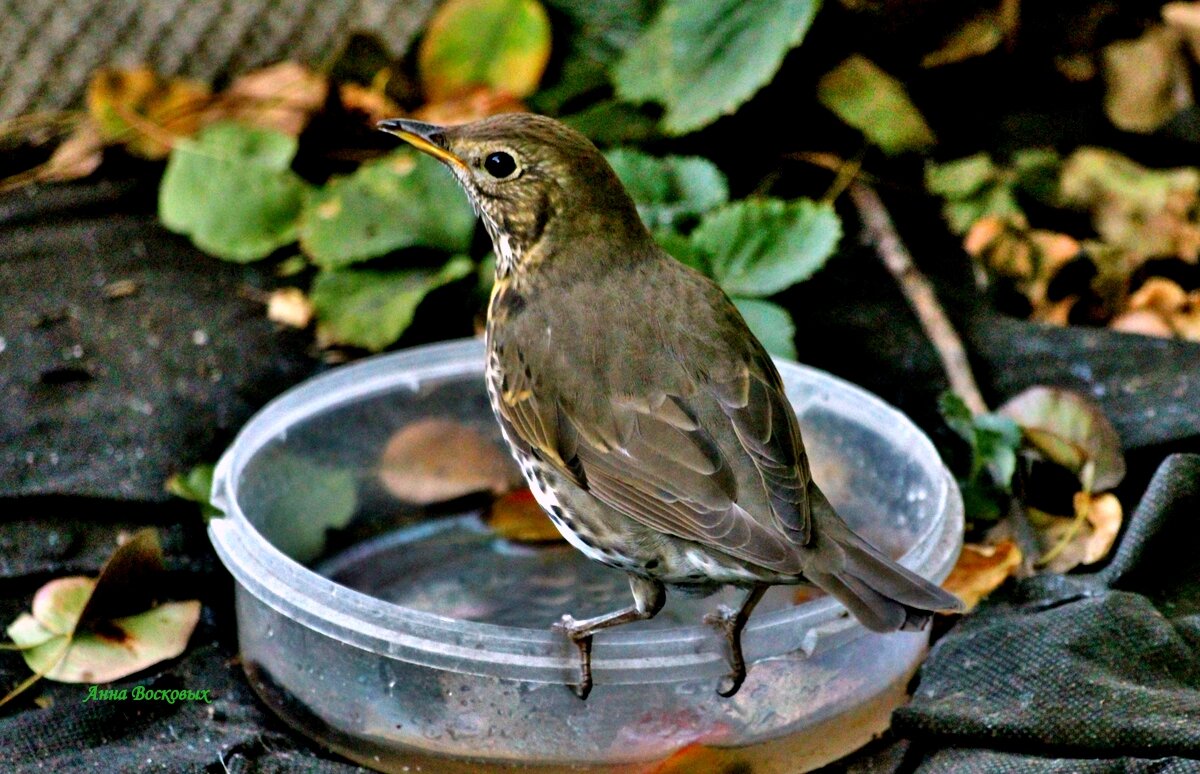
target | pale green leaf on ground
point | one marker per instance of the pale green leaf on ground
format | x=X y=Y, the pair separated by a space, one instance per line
x=371 y=308
x=975 y=187
x=230 y=189
x=85 y=630
x=757 y=247
x=1072 y=431
x=875 y=103
x=402 y=200
x=501 y=44
x=195 y=485
x=670 y=189
x=1146 y=80
x=298 y=501
x=702 y=59
x=771 y=323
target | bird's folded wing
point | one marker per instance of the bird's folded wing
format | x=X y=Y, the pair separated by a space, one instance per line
x=649 y=459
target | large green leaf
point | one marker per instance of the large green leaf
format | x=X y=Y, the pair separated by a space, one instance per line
x=371 y=309
x=670 y=189
x=401 y=200
x=771 y=323
x=703 y=58
x=876 y=104
x=504 y=44
x=757 y=247
x=231 y=190
x=595 y=34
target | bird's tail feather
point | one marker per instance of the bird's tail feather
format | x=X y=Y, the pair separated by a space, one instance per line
x=880 y=593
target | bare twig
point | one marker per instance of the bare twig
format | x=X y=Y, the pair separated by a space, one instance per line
x=920 y=295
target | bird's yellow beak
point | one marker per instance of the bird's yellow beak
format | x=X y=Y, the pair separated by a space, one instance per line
x=422 y=136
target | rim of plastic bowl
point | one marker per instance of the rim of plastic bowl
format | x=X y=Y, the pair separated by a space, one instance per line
x=625 y=656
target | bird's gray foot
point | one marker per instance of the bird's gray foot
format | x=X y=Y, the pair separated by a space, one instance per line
x=582 y=639
x=730 y=623
x=725 y=621
x=648 y=598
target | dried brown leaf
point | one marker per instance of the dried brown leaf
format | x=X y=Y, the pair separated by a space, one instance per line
x=981 y=569
x=373 y=104
x=976 y=37
x=1142 y=321
x=1085 y=539
x=1185 y=17
x=290 y=307
x=433 y=460
x=472 y=106
x=144 y=111
x=517 y=516
x=1146 y=80
x=283 y=97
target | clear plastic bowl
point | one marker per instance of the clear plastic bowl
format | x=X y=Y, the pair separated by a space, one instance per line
x=411 y=642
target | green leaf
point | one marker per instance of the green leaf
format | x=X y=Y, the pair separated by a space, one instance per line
x=609 y=122
x=669 y=189
x=876 y=104
x=297 y=501
x=757 y=247
x=594 y=35
x=371 y=309
x=401 y=200
x=231 y=190
x=993 y=439
x=703 y=58
x=195 y=485
x=502 y=44
x=960 y=178
x=1070 y=430
x=771 y=323
x=683 y=250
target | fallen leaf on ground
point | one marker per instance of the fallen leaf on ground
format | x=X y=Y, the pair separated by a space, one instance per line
x=1185 y=17
x=374 y=105
x=1029 y=257
x=195 y=485
x=981 y=569
x=1160 y=307
x=1072 y=431
x=144 y=111
x=976 y=37
x=1146 y=80
x=436 y=459
x=471 y=106
x=501 y=44
x=290 y=307
x=283 y=97
x=85 y=630
x=875 y=103
x=1085 y=539
x=517 y=516
x=1146 y=212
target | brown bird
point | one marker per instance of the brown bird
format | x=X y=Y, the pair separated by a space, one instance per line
x=648 y=420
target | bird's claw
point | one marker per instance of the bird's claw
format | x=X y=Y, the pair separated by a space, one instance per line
x=582 y=641
x=725 y=621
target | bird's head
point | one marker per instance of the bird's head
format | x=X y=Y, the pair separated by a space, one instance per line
x=529 y=177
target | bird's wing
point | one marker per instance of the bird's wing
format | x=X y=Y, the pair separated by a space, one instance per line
x=649 y=456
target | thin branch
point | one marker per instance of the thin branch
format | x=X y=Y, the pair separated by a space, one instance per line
x=919 y=293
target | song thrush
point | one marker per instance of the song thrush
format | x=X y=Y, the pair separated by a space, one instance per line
x=648 y=420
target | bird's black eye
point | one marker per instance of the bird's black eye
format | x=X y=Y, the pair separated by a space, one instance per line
x=499 y=165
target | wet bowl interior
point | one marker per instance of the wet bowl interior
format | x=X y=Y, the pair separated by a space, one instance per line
x=403 y=637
